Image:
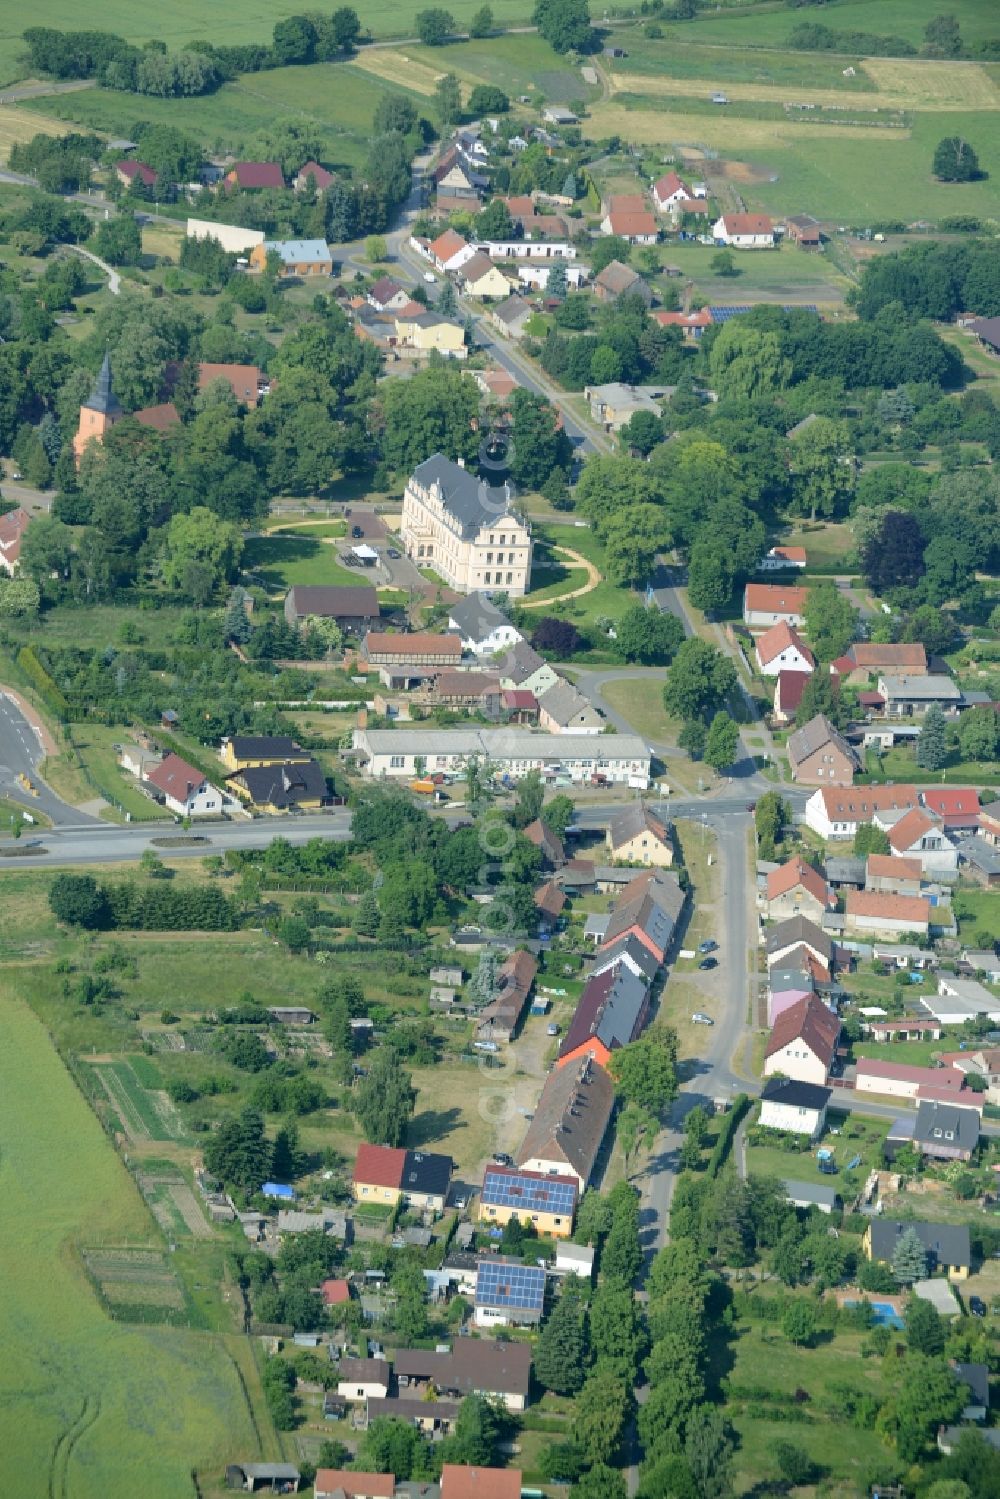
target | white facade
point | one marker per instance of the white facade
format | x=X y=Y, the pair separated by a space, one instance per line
x=790 y=659
x=499 y=639
x=537 y=276
x=786 y=1116
x=528 y=249
x=393 y=753
x=495 y=553
x=204 y=801
x=740 y=239
x=797 y=1060
x=367 y=1390
x=843 y=825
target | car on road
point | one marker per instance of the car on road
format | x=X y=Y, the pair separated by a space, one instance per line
x=430 y=277
x=391 y=552
x=700 y=1018
x=709 y=945
x=356 y=531
x=501 y=1158
x=552 y=1029
x=709 y=963
x=977 y=1306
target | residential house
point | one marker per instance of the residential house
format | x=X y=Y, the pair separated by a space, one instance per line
x=867 y=660
x=975 y=1381
x=819 y=755
x=989 y=824
x=482 y=628
x=788 y=690
x=879 y=914
x=297 y=257
x=987 y=330
x=628 y=952
x=131 y=172
x=242 y=751
x=363 y=1379
x=12 y=528
x=416 y=648
x=499 y=1371
x=387 y=295
x=511 y=317
x=918 y=835
x=946 y=1131
x=795 y=889
x=956 y=807
x=245 y=381
x=508 y=1293
x=691 y=324
x=983 y=1063
x=781 y=648
x=450 y=250
x=744 y=231
x=522 y=667
x=669 y=191
x=550 y=900
x=312 y=175
x=947 y=1245
x=274 y=789
x=786 y=987
x=892 y=1079
x=386 y=1175
x=764 y=604
x=433 y=1418
x=803 y=230
x=466 y=1482
x=960 y=999
x=252 y=175
x=515 y=980
x=563 y=709
x=615 y=759
x=980 y=862
x=427 y=330
x=354 y=608
x=618 y=280
x=628 y=217
x=482 y=278
x=649 y=908
x=475 y=691
x=183 y=789
x=570 y=1122
x=803 y=1042
x=892 y=876
x=611 y=1012
x=536 y=1197
x=615 y=404
x=552 y=848
x=905 y=1028
x=910 y=697
x=835 y=812
x=811 y=1195
x=782 y=558
x=635 y=835
x=496 y=384
x=795 y=932
x=798 y=1107
x=469 y=533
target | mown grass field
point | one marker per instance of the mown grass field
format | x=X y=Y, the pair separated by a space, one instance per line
x=86 y=1402
x=752 y=26
x=281 y=561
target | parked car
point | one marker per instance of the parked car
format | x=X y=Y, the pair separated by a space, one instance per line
x=391 y=552
x=709 y=945
x=709 y=963
x=552 y=1029
x=977 y=1306
x=700 y=1018
x=356 y=532
x=502 y=1158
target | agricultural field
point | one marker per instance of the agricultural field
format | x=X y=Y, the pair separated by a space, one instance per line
x=517 y=64
x=787 y=275
x=17 y=125
x=74 y=1381
x=761 y=26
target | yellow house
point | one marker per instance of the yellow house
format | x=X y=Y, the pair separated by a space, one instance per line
x=429 y=330
x=548 y=1202
x=384 y=1175
x=299 y=784
x=946 y=1245
x=244 y=751
x=485 y=280
x=635 y=836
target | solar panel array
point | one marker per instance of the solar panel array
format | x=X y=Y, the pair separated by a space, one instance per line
x=503 y=1189
x=723 y=314
x=500 y=1283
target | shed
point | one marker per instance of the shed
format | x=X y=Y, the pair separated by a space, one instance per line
x=811 y=1195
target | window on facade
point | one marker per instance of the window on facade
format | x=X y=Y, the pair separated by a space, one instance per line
x=396 y=762
x=510 y=577
x=489 y=556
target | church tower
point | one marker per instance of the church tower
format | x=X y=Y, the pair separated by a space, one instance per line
x=99 y=412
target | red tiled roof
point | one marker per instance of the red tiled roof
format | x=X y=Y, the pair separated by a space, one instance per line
x=747 y=223
x=810 y=1021
x=458 y=1482
x=669 y=184
x=860 y=803
x=335 y=1292
x=629 y=224
x=340 y=1481
x=134 y=169
x=518 y=699
x=626 y=203
x=774 y=598
x=700 y=319
x=419 y=643
x=447 y=244
x=881 y=905
x=791 y=686
x=952 y=801
x=256 y=174
x=243 y=378
x=12 y=528
x=692 y=205
x=781 y=637
x=889 y=867
x=175 y=777
x=904 y=659
x=909 y=828
x=549 y=898
x=321 y=177
x=789 y=554
x=159 y=418
x=379 y=1165
x=520 y=207
x=797 y=872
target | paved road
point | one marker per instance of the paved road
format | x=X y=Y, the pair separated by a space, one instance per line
x=20 y=753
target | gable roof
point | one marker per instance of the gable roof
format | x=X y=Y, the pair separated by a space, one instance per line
x=789 y=689
x=571 y=1117
x=946 y=1124
x=175 y=777
x=669 y=184
x=339 y=1481
x=774 y=598
x=256 y=174
x=700 y=319
x=320 y=176
x=261 y=746
x=511 y=310
x=616 y=277
x=788 y=1090
x=609 y=1010
x=634 y=820
x=542 y=836
x=470 y=500
x=799 y=929
x=563 y=702
x=244 y=380
x=426 y=1172
x=298 y=251
x=943 y=1078
x=627 y=950
x=12 y=528
x=630 y=223
x=384 y=289
x=948 y=1242
x=782 y=637
x=133 y=169
x=890 y=867
x=474 y=1365
x=860 y=803
x=447 y=244
x=747 y=223
x=402 y=646
x=159 y=418
x=952 y=801
x=809 y=1021
x=817 y=734
x=284 y=785
x=912 y=826
x=477 y=617
x=334 y=600
x=519 y=662
x=379 y=1165
x=793 y=874
x=902 y=658
x=460 y=1482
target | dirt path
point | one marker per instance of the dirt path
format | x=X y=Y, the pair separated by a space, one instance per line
x=593 y=578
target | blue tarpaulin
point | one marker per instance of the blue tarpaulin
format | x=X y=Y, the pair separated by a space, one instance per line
x=274 y=1189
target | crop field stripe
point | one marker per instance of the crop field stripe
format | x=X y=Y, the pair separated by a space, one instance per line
x=118 y=1094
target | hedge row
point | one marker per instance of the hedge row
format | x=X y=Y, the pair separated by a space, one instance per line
x=43 y=684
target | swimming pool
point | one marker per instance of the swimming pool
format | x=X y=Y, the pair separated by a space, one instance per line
x=884 y=1312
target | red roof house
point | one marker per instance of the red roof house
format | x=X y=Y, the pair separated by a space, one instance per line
x=254 y=174
x=129 y=172
x=957 y=806
x=788 y=691
x=335 y=1292
x=379 y=1166
x=184 y=789
x=12 y=528
x=781 y=648
x=803 y=1042
x=314 y=173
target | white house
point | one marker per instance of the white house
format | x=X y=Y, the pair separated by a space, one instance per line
x=960 y=999
x=575 y=1259
x=782 y=559
x=744 y=231
x=483 y=629
x=919 y=835
x=563 y=709
x=537 y=276
x=619 y=759
x=184 y=789
x=790 y=1105
x=781 y=648
x=803 y=1042
x=363 y=1379
x=838 y=811
x=669 y=190
x=528 y=249
x=767 y=604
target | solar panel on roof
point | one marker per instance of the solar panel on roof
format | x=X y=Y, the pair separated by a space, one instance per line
x=506 y=1190
x=723 y=314
x=502 y=1284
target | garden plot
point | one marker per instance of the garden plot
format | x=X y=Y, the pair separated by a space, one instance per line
x=400 y=69
x=146 y=1113
x=134 y=1278
x=173 y=1204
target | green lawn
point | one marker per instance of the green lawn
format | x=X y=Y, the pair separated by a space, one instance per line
x=608 y=600
x=900 y=764
x=977 y=911
x=678 y=55
x=858 y=1136
x=517 y=64
x=754 y=26
x=281 y=561
x=78 y=1390
x=95 y=745
x=785 y=275
x=913 y=1053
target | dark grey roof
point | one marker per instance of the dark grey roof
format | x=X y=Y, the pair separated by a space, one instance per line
x=519 y=663
x=628 y=947
x=798 y=1095
x=633 y=820
x=261 y=746
x=845 y=871
x=609 y=1010
x=977 y=1377
x=470 y=500
x=947 y=1125
x=980 y=854
x=102 y=397
x=800 y=929
x=364 y=1371
x=811 y=1192
x=331 y=601
x=284 y=785
x=476 y=616
x=818 y=732
x=790 y=978
x=947 y=1242
x=426 y=1173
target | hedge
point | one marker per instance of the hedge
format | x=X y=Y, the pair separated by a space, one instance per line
x=39 y=678
x=723 y=1145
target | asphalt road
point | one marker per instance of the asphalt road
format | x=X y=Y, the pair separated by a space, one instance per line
x=20 y=754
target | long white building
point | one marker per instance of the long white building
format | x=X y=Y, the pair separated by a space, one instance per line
x=393 y=753
x=467 y=532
